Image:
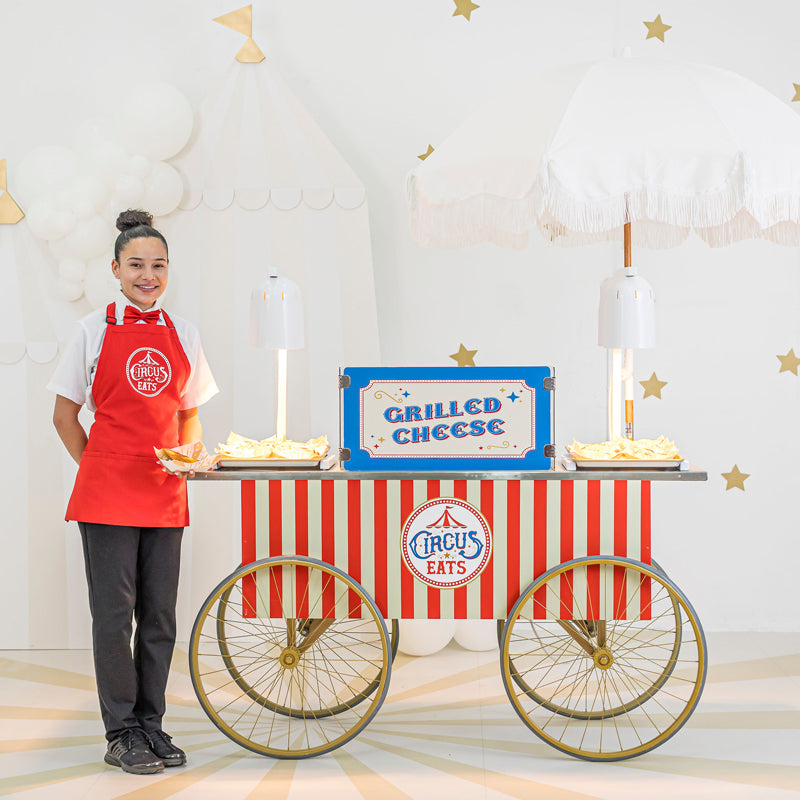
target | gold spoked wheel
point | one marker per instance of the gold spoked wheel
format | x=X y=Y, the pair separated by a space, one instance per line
x=593 y=632
x=304 y=631
x=598 y=638
x=290 y=657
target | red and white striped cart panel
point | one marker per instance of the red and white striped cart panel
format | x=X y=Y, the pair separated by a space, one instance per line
x=356 y=524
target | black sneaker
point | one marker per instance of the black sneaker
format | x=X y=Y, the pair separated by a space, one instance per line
x=131 y=751
x=161 y=745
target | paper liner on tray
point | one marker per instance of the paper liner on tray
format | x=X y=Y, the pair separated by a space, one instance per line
x=192 y=457
x=661 y=449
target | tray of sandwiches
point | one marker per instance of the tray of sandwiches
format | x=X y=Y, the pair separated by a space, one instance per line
x=239 y=452
x=660 y=453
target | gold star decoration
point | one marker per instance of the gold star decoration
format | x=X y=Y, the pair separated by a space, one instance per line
x=656 y=29
x=735 y=478
x=464 y=357
x=10 y=212
x=464 y=8
x=653 y=386
x=796 y=92
x=427 y=153
x=789 y=362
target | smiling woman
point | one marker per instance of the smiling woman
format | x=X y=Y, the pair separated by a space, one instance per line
x=144 y=374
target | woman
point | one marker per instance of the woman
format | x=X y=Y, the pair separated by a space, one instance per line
x=144 y=374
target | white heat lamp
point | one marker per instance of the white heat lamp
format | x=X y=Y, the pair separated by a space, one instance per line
x=626 y=323
x=276 y=323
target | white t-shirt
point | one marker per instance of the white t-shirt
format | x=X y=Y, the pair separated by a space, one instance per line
x=75 y=371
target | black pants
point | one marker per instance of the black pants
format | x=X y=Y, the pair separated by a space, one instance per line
x=132 y=573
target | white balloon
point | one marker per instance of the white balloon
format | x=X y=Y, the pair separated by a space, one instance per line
x=43 y=170
x=163 y=189
x=128 y=191
x=422 y=637
x=47 y=222
x=69 y=290
x=72 y=270
x=109 y=161
x=139 y=166
x=154 y=120
x=476 y=634
x=90 y=189
x=90 y=238
x=100 y=286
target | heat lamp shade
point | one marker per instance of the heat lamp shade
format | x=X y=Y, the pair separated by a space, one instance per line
x=276 y=314
x=627 y=312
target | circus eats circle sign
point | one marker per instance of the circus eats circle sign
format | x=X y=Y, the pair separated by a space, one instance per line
x=446 y=543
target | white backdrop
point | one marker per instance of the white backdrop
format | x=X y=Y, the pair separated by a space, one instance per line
x=383 y=81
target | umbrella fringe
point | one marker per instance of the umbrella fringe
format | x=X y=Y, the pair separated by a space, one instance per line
x=659 y=219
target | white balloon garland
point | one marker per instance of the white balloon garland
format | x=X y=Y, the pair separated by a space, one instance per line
x=72 y=195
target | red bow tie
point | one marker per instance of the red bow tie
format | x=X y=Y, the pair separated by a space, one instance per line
x=133 y=314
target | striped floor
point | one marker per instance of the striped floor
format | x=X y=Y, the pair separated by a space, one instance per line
x=446 y=730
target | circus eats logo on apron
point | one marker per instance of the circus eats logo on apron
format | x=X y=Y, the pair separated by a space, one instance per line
x=446 y=543
x=148 y=370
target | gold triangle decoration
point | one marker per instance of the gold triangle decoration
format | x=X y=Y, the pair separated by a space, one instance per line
x=250 y=53
x=241 y=21
x=10 y=212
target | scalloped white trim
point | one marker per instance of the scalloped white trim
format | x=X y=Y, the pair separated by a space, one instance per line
x=40 y=352
x=285 y=198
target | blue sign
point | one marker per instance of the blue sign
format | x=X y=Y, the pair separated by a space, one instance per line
x=447 y=418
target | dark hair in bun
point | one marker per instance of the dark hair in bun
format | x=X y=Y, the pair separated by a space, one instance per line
x=135 y=224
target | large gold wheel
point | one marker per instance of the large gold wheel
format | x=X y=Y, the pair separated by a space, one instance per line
x=592 y=632
x=597 y=638
x=290 y=657
x=241 y=665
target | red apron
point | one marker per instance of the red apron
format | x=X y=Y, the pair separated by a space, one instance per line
x=140 y=374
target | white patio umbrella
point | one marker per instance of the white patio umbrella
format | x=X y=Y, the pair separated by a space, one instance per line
x=635 y=149
x=578 y=152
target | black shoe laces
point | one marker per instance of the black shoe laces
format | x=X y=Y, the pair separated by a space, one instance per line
x=131 y=737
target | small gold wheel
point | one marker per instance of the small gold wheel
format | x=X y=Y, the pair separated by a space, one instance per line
x=635 y=647
x=290 y=657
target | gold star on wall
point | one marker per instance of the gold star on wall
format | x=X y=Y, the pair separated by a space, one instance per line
x=653 y=386
x=656 y=29
x=427 y=153
x=789 y=362
x=464 y=357
x=735 y=478
x=464 y=8
x=796 y=92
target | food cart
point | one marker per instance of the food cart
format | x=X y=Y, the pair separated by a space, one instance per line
x=601 y=654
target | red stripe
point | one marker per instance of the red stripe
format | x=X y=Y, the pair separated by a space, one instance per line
x=646 y=554
x=487 y=576
x=301 y=543
x=620 y=546
x=406 y=578
x=381 y=576
x=328 y=528
x=512 y=544
x=566 y=547
x=434 y=595
x=248 y=546
x=539 y=545
x=354 y=541
x=593 y=547
x=460 y=594
x=275 y=544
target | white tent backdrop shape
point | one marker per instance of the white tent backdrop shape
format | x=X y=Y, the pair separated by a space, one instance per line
x=266 y=188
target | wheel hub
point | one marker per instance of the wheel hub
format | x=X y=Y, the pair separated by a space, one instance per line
x=289 y=657
x=603 y=658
